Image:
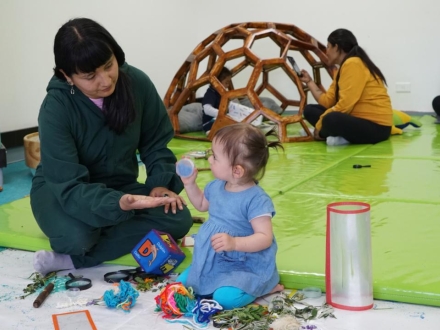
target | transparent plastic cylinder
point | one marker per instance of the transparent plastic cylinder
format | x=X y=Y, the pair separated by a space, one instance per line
x=349 y=283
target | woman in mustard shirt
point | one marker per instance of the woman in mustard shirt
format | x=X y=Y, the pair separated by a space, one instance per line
x=356 y=108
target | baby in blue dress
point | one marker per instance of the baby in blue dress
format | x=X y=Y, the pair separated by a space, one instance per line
x=235 y=250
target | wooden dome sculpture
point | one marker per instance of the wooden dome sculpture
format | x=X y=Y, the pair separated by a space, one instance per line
x=206 y=61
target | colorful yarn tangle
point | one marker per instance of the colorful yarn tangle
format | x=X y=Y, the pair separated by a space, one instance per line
x=176 y=301
x=125 y=297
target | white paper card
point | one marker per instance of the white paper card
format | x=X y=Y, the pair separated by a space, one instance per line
x=238 y=112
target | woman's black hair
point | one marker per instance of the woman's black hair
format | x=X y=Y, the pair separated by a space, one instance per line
x=347 y=42
x=81 y=46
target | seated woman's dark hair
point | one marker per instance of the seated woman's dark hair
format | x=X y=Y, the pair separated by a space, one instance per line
x=347 y=42
x=81 y=46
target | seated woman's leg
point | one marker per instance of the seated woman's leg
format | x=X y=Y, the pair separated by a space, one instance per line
x=90 y=246
x=67 y=236
x=353 y=129
x=120 y=239
x=312 y=113
x=230 y=297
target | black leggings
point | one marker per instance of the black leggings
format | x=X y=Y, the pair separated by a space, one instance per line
x=353 y=129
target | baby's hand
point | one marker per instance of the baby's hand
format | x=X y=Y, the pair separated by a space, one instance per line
x=223 y=242
x=190 y=179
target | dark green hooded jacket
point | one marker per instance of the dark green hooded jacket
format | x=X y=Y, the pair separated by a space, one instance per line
x=87 y=166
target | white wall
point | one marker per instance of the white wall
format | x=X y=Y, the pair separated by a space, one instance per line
x=400 y=36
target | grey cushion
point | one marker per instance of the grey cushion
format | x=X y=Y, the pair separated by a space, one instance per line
x=190 y=118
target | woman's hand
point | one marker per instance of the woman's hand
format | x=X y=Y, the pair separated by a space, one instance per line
x=130 y=202
x=314 y=89
x=178 y=201
x=223 y=242
x=305 y=77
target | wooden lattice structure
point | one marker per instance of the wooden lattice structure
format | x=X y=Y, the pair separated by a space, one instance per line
x=192 y=75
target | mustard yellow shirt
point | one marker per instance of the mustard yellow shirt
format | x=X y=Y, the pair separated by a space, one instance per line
x=360 y=95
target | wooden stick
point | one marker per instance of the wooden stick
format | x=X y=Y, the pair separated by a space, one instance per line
x=43 y=295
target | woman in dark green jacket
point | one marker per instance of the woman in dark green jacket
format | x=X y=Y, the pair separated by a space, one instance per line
x=98 y=112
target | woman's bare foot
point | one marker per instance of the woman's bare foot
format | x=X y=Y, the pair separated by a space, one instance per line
x=277 y=288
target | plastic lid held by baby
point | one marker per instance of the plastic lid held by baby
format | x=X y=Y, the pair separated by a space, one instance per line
x=185 y=167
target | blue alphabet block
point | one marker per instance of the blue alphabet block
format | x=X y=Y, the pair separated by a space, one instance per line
x=157 y=253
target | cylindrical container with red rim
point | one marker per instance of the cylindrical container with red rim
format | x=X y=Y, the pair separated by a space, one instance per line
x=348 y=270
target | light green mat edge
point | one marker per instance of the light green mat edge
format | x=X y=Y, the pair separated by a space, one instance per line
x=402 y=187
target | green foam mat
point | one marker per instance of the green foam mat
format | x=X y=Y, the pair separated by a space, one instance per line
x=402 y=187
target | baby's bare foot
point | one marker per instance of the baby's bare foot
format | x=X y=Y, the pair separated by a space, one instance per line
x=277 y=288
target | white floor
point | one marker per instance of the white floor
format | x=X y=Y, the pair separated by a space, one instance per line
x=16 y=266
